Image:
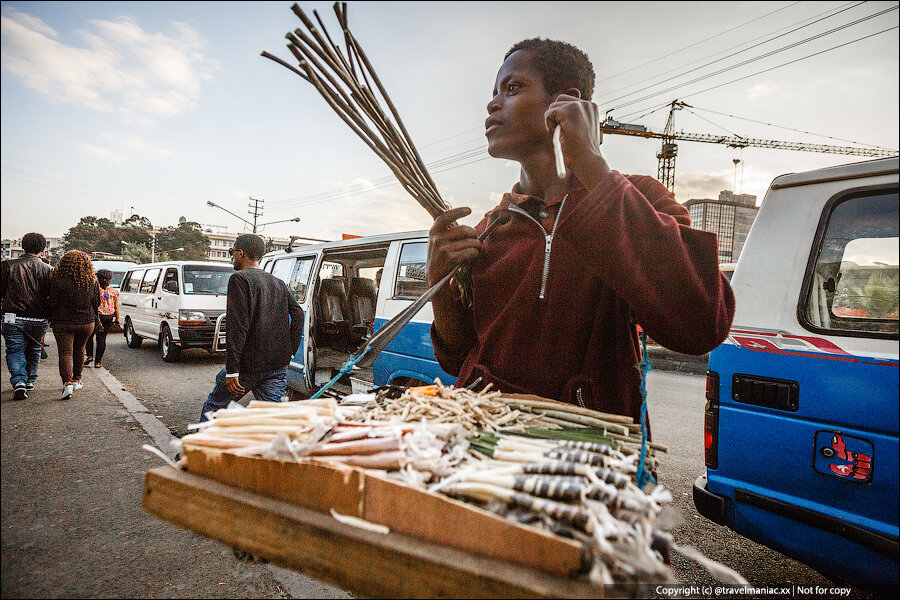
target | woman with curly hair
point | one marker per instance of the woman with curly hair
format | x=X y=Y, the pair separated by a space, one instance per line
x=73 y=298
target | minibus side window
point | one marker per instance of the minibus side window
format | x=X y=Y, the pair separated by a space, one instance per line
x=150 y=279
x=170 y=281
x=134 y=281
x=854 y=286
x=410 y=281
x=295 y=273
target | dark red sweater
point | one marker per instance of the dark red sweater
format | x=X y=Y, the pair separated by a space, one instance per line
x=622 y=253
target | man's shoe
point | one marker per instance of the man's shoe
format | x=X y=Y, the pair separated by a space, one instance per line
x=67 y=391
x=20 y=394
x=77 y=385
x=98 y=366
x=88 y=360
x=29 y=386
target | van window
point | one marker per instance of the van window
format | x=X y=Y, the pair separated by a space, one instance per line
x=134 y=281
x=171 y=275
x=148 y=285
x=295 y=273
x=411 y=282
x=116 y=278
x=854 y=286
x=207 y=279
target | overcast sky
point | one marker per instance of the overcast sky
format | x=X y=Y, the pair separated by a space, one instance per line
x=158 y=107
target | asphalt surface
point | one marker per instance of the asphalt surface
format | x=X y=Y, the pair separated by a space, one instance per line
x=72 y=476
x=72 y=522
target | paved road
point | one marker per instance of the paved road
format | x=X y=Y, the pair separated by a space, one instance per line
x=77 y=495
x=72 y=522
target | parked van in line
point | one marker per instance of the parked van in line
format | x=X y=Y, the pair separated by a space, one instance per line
x=118 y=268
x=343 y=302
x=180 y=304
x=801 y=422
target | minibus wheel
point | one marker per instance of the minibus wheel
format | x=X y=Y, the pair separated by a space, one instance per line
x=168 y=349
x=131 y=338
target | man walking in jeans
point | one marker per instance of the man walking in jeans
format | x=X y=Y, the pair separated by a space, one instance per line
x=23 y=282
x=262 y=331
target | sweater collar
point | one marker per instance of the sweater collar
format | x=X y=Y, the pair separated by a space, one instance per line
x=515 y=197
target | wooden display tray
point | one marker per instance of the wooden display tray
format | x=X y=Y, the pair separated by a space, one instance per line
x=362 y=562
x=323 y=486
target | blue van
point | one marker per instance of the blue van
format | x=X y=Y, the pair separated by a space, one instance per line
x=801 y=421
x=349 y=289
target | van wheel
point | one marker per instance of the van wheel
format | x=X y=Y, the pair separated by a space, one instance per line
x=168 y=349
x=131 y=338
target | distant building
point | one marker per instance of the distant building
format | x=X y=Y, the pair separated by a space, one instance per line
x=12 y=248
x=730 y=218
x=221 y=240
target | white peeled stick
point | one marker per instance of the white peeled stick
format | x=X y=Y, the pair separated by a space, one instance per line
x=557 y=152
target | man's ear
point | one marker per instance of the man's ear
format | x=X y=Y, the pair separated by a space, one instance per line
x=573 y=91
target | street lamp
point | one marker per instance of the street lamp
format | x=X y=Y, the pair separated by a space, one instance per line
x=254 y=224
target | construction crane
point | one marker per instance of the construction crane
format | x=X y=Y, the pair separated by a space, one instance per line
x=669 y=149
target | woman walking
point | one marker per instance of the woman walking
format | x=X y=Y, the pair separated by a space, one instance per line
x=108 y=313
x=73 y=299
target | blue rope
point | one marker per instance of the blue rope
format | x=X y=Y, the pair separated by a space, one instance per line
x=345 y=368
x=643 y=475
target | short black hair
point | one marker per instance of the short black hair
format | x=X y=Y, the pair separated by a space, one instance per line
x=34 y=243
x=252 y=245
x=561 y=65
x=104 y=276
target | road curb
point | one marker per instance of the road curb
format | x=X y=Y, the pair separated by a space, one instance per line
x=155 y=428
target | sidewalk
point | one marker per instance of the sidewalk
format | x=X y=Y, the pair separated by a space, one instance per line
x=73 y=526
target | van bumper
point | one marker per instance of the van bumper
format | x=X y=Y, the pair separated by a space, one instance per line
x=711 y=506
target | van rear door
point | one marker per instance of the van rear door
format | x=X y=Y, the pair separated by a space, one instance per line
x=807 y=435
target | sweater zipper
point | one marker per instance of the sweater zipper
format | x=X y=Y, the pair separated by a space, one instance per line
x=580 y=397
x=548 y=241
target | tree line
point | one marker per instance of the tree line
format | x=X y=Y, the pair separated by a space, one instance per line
x=133 y=240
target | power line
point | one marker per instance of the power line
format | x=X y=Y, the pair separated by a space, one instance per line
x=691 y=94
x=668 y=54
x=752 y=60
x=833 y=12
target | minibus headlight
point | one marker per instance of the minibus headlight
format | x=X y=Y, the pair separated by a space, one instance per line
x=191 y=317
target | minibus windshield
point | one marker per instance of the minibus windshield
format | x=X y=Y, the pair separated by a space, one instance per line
x=207 y=279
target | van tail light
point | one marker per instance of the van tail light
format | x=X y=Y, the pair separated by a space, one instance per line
x=711 y=421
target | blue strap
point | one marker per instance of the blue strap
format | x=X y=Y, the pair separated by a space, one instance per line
x=345 y=368
x=643 y=475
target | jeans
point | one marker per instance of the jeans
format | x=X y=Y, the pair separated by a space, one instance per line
x=23 y=349
x=269 y=386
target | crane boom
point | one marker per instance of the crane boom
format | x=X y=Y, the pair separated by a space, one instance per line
x=736 y=141
x=669 y=149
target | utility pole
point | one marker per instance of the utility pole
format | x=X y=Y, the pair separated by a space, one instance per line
x=256 y=210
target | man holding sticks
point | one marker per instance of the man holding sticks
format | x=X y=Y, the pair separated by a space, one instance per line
x=559 y=288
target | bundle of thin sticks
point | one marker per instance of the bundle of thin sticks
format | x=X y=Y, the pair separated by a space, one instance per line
x=473 y=411
x=343 y=78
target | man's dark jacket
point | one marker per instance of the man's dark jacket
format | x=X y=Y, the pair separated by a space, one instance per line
x=23 y=282
x=264 y=323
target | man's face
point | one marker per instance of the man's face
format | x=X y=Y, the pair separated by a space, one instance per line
x=515 y=126
x=237 y=258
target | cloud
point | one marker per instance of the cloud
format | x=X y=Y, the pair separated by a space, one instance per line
x=104 y=153
x=702 y=184
x=136 y=143
x=119 y=68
